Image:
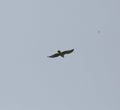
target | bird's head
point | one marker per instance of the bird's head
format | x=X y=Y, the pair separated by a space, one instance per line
x=59 y=51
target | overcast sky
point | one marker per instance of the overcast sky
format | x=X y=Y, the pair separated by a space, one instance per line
x=87 y=79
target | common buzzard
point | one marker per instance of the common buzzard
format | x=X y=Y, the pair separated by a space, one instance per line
x=59 y=53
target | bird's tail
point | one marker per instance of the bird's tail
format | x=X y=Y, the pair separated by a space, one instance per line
x=62 y=56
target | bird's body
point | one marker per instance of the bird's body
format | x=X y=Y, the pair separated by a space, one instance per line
x=59 y=53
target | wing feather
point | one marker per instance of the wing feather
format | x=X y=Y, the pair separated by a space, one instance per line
x=67 y=51
x=54 y=55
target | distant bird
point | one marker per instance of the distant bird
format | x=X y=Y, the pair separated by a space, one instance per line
x=59 y=53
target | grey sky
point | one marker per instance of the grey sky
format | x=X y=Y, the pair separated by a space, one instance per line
x=87 y=79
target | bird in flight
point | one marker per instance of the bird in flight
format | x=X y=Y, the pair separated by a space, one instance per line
x=59 y=53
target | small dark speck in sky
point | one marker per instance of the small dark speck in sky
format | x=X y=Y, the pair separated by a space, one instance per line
x=98 y=31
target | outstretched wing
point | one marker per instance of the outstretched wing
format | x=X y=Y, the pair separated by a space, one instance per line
x=67 y=51
x=54 y=55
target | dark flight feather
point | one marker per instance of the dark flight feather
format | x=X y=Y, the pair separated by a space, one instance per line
x=54 y=55
x=67 y=51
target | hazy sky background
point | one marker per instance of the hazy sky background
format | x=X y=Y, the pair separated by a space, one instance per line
x=87 y=79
